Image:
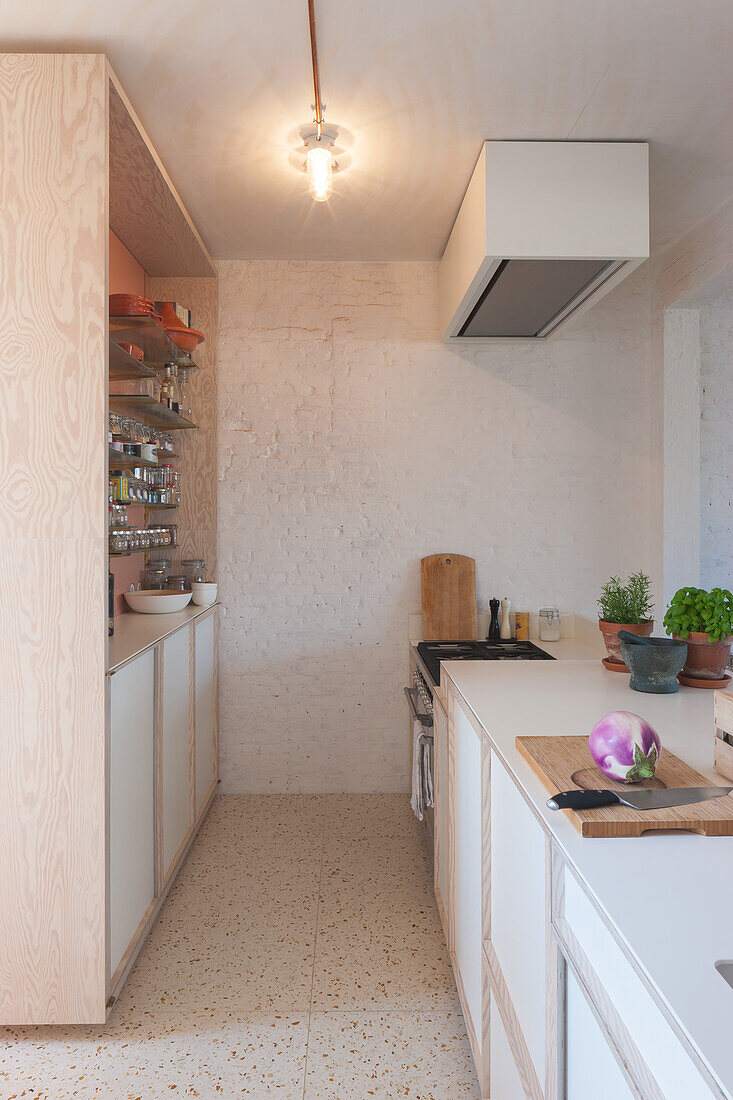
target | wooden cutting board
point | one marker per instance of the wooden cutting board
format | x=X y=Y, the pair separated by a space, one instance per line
x=448 y=598
x=565 y=763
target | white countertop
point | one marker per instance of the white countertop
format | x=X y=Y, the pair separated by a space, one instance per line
x=135 y=632
x=670 y=898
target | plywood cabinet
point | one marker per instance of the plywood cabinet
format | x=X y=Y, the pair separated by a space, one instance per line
x=131 y=802
x=206 y=719
x=466 y=842
x=176 y=741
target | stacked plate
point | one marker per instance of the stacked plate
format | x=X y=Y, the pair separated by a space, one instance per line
x=131 y=305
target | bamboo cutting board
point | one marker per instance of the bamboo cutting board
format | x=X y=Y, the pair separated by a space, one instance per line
x=565 y=763
x=448 y=598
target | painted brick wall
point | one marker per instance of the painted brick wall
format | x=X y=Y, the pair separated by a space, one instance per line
x=351 y=444
x=716 y=445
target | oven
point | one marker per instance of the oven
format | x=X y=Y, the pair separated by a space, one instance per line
x=420 y=706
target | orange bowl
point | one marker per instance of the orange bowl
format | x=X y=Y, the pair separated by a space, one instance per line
x=188 y=339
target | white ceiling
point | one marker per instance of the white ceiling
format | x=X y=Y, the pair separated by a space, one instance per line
x=222 y=88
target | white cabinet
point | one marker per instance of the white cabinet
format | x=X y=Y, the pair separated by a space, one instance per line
x=518 y=906
x=504 y=1080
x=131 y=801
x=205 y=682
x=176 y=743
x=467 y=846
x=441 y=832
x=591 y=1067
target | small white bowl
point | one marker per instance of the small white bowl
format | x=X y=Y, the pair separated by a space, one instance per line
x=152 y=601
x=204 y=592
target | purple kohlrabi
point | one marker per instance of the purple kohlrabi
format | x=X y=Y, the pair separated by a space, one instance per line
x=625 y=747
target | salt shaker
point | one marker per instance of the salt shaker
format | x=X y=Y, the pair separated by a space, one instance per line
x=549 y=624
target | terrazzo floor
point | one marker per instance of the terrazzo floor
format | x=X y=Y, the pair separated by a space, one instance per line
x=299 y=956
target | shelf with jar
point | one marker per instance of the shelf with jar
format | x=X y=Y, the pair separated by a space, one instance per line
x=150 y=336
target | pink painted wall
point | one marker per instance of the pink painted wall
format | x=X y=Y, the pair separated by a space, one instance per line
x=126 y=276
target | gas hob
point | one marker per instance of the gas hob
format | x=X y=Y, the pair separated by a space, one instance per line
x=432 y=653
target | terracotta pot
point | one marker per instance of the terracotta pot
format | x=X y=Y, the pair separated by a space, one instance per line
x=610 y=636
x=706 y=660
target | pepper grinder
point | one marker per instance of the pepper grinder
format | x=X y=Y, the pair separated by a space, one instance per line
x=494 y=623
x=506 y=626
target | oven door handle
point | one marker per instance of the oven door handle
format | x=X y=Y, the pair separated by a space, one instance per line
x=424 y=719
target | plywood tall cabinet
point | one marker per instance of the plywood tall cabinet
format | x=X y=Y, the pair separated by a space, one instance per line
x=75 y=162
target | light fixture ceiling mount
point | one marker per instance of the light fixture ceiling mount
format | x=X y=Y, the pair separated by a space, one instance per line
x=318 y=140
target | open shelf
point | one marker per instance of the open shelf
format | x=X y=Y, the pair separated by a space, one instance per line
x=120 y=461
x=154 y=342
x=159 y=507
x=124 y=367
x=153 y=413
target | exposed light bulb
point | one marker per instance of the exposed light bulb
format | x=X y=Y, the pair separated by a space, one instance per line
x=319 y=166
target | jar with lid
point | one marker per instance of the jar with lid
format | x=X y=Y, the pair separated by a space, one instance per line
x=177 y=583
x=549 y=624
x=154 y=576
x=162 y=563
x=194 y=569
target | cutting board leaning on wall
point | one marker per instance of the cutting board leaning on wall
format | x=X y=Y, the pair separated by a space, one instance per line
x=448 y=598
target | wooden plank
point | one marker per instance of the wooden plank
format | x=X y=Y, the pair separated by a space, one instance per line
x=448 y=597
x=557 y=760
x=145 y=210
x=53 y=257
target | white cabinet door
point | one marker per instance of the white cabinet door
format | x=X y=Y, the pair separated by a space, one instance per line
x=131 y=800
x=505 y=1082
x=205 y=710
x=591 y=1068
x=440 y=827
x=467 y=910
x=518 y=906
x=176 y=745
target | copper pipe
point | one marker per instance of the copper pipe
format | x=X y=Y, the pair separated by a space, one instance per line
x=314 y=60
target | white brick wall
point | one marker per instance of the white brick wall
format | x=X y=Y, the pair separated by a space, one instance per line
x=716 y=445
x=351 y=444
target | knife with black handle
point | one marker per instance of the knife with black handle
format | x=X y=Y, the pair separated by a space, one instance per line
x=642 y=799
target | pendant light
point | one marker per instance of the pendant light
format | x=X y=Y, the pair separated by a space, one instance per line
x=319 y=162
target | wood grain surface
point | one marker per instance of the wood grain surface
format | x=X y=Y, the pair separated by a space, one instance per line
x=556 y=759
x=448 y=597
x=53 y=544
x=145 y=210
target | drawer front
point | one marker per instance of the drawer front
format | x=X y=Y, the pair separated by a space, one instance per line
x=659 y=1047
x=518 y=907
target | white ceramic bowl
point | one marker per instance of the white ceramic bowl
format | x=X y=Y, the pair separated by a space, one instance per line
x=204 y=592
x=152 y=601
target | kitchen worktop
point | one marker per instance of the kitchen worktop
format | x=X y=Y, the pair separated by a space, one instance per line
x=670 y=898
x=581 y=639
x=135 y=632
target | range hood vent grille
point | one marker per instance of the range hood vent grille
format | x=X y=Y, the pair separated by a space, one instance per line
x=529 y=298
x=545 y=229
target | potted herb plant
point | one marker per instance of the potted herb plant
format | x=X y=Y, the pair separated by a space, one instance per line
x=624 y=607
x=705 y=621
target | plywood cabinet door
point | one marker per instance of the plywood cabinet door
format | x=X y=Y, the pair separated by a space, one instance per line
x=441 y=825
x=176 y=732
x=467 y=824
x=131 y=801
x=518 y=906
x=205 y=666
x=591 y=1067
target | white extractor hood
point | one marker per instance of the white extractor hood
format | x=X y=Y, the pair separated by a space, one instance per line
x=545 y=229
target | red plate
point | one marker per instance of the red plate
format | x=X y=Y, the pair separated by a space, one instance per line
x=187 y=338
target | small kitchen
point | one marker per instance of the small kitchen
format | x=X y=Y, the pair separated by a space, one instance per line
x=366 y=548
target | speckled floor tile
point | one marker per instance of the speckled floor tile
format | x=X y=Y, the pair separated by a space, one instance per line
x=285 y=907
x=384 y=1056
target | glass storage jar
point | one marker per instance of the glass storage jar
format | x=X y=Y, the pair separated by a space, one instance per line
x=194 y=569
x=177 y=583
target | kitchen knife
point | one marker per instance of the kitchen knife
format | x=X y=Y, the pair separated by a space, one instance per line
x=644 y=799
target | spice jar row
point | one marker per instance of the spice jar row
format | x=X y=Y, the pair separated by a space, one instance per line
x=152 y=485
x=132 y=437
x=131 y=540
